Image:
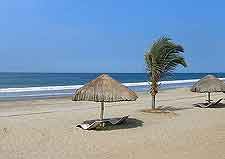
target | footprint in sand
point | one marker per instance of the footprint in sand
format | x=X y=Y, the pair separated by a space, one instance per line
x=3 y=132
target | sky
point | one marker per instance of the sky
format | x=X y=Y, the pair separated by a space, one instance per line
x=108 y=35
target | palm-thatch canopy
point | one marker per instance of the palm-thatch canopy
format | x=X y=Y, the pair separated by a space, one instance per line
x=104 y=89
x=208 y=84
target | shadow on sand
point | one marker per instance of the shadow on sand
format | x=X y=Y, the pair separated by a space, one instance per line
x=164 y=109
x=128 y=124
x=220 y=105
x=171 y=108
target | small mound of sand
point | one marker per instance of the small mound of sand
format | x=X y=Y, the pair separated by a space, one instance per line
x=158 y=111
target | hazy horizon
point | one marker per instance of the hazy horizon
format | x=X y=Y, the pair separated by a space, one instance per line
x=118 y=72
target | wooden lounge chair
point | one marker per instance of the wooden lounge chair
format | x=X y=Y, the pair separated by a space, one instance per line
x=91 y=126
x=208 y=105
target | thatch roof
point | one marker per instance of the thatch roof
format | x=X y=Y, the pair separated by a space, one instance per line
x=104 y=89
x=208 y=83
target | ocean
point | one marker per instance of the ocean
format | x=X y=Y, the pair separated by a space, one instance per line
x=14 y=86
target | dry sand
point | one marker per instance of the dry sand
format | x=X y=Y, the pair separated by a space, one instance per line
x=45 y=129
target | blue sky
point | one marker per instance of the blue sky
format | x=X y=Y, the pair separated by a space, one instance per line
x=107 y=36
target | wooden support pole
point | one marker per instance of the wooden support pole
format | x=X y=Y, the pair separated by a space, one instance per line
x=102 y=112
x=209 y=100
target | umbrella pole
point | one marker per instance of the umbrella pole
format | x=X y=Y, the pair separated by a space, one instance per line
x=102 y=111
x=209 y=97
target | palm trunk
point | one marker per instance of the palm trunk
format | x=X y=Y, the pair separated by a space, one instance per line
x=153 y=101
x=153 y=93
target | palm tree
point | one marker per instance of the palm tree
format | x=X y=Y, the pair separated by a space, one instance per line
x=162 y=58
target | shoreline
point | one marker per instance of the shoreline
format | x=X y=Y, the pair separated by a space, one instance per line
x=14 y=99
x=28 y=106
x=26 y=93
x=13 y=94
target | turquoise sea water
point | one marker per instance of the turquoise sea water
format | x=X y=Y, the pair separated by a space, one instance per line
x=42 y=85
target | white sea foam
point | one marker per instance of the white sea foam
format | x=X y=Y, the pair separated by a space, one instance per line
x=36 y=95
x=36 y=89
x=74 y=87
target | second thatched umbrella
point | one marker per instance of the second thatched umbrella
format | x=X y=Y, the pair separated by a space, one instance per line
x=208 y=84
x=104 y=89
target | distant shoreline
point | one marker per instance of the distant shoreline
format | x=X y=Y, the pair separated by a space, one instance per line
x=69 y=96
x=42 y=86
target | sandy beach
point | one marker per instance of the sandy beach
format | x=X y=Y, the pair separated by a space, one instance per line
x=41 y=129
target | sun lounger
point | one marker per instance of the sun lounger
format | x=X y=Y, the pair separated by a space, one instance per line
x=208 y=105
x=117 y=121
x=90 y=126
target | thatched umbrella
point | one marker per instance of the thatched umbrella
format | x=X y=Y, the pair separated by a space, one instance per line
x=104 y=89
x=208 y=84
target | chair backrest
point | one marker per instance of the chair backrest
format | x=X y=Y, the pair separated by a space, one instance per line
x=94 y=125
x=218 y=101
x=119 y=121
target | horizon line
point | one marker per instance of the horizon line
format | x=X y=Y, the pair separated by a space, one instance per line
x=104 y=72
